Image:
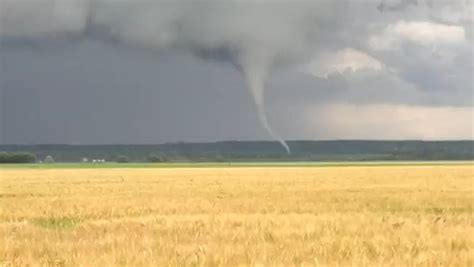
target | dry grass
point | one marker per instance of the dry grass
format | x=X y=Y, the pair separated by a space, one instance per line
x=334 y=216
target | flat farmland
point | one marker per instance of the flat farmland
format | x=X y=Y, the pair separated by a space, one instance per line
x=400 y=215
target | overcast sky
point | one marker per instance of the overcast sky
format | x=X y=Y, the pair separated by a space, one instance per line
x=97 y=72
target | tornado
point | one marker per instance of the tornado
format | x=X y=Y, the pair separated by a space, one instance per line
x=254 y=70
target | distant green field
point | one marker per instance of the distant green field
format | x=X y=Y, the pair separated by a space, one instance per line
x=231 y=164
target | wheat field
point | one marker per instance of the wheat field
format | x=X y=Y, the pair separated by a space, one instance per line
x=267 y=216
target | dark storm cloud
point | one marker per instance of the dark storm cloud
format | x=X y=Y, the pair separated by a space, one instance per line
x=126 y=96
x=100 y=87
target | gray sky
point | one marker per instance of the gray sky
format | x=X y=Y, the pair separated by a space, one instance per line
x=154 y=72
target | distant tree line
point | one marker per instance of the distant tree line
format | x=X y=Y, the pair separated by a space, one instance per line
x=17 y=157
x=256 y=151
x=122 y=159
x=156 y=158
x=153 y=158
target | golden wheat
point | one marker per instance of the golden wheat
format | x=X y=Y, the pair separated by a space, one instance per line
x=331 y=216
